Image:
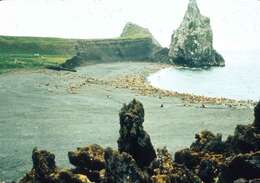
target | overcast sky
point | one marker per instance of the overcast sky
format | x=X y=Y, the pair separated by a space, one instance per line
x=236 y=23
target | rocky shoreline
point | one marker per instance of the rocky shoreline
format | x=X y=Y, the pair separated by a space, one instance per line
x=209 y=159
x=138 y=83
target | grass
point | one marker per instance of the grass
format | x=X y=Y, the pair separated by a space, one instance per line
x=33 y=52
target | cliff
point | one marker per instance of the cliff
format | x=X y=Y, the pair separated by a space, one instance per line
x=134 y=44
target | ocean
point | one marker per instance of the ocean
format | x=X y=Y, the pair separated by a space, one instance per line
x=239 y=79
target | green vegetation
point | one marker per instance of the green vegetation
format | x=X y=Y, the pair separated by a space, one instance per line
x=34 y=52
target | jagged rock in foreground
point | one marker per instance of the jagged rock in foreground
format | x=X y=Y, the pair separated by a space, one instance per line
x=45 y=171
x=208 y=160
x=164 y=170
x=133 y=139
x=122 y=168
x=88 y=161
x=192 y=42
x=236 y=159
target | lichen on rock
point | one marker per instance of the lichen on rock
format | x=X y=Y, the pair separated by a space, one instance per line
x=192 y=42
x=133 y=138
x=122 y=168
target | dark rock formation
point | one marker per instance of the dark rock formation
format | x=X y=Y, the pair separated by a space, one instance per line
x=208 y=160
x=246 y=139
x=208 y=142
x=133 y=139
x=164 y=170
x=90 y=157
x=88 y=161
x=257 y=116
x=45 y=171
x=192 y=42
x=246 y=166
x=122 y=168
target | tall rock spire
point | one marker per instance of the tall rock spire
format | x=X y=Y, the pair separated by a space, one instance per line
x=192 y=42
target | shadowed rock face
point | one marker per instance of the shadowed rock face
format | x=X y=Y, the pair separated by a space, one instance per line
x=43 y=164
x=257 y=116
x=90 y=157
x=192 y=42
x=122 y=168
x=164 y=170
x=133 y=139
x=45 y=171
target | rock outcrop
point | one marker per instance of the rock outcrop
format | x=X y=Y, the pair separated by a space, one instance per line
x=192 y=42
x=122 y=168
x=45 y=171
x=135 y=44
x=133 y=139
x=88 y=161
x=132 y=30
x=164 y=170
x=208 y=160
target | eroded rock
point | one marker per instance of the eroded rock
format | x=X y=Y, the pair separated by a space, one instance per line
x=133 y=139
x=90 y=157
x=122 y=168
x=164 y=170
x=246 y=166
x=208 y=142
x=192 y=42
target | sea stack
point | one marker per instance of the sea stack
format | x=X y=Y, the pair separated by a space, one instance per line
x=192 y=42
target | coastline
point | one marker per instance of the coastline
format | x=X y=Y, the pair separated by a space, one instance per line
x=65 y=110
x=138 y=83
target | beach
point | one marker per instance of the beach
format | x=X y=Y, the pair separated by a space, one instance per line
x=60 y=111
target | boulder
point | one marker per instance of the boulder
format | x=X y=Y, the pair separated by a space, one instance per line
x=164 y=170
x=90 y=157
x=122 y=168
x=208 y=142
x=133 y=139
x=246 y=166
x=246 y=139
x=88 y=161
x=192 y=42
x=45 y=171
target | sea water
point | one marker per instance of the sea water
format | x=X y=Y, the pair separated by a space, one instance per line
x=239 y=79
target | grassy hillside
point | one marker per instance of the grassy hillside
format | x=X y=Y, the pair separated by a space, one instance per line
x=33 y=52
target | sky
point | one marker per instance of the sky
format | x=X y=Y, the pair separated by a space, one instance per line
x=235 y=23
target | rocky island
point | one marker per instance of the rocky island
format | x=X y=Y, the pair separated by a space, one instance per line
x=209 y=159
x=192 y=42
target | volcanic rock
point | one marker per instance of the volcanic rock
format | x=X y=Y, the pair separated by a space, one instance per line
x=122 y=168
x=90 y=157
x=133 y=139
x=208 y=142
x=164 y=170
x=192 y=42
x=246 y=166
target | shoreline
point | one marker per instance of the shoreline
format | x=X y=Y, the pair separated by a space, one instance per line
x=65 y=110
x=138 y=82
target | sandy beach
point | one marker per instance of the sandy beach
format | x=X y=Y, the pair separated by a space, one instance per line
x=59 y=111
